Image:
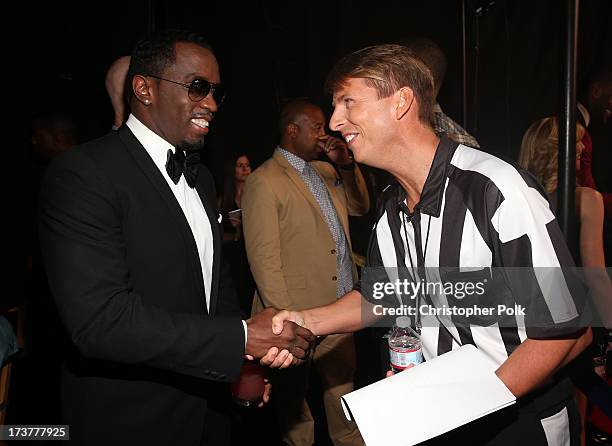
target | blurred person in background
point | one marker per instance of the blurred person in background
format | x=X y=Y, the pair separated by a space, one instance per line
x=236 y=173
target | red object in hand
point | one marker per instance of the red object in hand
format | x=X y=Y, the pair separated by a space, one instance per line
x=249 y=389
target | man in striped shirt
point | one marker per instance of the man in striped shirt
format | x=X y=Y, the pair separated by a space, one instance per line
x=459 y=209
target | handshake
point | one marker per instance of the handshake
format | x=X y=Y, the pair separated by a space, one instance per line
x=278 y=338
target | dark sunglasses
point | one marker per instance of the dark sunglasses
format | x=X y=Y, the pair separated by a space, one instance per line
x=199 y=88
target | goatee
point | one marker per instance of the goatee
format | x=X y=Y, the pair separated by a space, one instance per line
x=192 y=146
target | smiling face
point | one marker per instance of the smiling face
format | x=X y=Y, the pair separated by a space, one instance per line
x=307 y=131
x=364 y=120
x=173 y=115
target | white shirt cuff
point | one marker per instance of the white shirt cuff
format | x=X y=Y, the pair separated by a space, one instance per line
x=245 y=333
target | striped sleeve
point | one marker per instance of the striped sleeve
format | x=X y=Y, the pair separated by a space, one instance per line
x=539 y=269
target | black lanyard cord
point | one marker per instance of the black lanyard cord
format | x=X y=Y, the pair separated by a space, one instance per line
x=424 y=254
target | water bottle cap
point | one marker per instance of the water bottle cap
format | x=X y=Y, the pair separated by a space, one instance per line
x=402 y=322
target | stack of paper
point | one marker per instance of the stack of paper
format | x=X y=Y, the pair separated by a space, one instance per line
x=428 y=400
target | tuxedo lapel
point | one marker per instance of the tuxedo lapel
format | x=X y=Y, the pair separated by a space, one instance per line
x=146 y=164
x=211 y=212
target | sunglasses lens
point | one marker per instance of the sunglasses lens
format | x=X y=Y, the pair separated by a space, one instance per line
x=198 y=89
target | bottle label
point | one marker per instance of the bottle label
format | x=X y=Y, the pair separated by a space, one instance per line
x=403 y=357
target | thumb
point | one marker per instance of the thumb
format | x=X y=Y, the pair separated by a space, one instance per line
x=389 y=373
x=278 y=321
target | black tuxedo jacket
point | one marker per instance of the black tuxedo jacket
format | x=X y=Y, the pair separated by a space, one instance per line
x=125 y=273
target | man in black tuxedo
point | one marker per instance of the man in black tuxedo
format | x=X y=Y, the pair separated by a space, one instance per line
x=131 y=241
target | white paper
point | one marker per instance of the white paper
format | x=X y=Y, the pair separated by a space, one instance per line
x=428 y=400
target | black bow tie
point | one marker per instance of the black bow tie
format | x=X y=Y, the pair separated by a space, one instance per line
x=178 y=163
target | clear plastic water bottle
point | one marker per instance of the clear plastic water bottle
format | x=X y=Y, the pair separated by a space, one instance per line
x=404 y=345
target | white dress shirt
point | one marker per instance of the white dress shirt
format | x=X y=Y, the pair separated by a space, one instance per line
x=187 y=197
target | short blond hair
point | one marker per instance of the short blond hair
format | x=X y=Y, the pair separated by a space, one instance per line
x=387 y=68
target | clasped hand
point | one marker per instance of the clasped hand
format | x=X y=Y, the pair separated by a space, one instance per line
x=281 y=357
x=279 y=342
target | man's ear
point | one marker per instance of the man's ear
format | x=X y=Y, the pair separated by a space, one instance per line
x=292 y=129
x=404 y=100
x=142 y=90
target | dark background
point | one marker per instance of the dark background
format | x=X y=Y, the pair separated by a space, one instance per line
x=58 y=53
x=55 y=56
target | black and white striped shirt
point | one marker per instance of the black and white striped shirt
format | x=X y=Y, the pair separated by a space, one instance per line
x=479 y=218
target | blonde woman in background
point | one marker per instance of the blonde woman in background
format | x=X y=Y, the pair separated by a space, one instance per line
x=539 y=155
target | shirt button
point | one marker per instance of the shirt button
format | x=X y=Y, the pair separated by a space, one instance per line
x=333 y=251
x=334 y=278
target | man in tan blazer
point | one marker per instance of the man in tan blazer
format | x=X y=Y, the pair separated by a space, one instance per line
x=295 y=215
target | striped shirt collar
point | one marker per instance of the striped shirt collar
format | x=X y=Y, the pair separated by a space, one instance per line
x=433 y=189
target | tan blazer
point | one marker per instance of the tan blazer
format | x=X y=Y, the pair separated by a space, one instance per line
x=289 y=246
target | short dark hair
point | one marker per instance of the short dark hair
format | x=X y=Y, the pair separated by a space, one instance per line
x=292 y=110
x=152 y=55
x=387 y=68
x=431 y=54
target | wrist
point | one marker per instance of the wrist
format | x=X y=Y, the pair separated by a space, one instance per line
x=307 y=321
